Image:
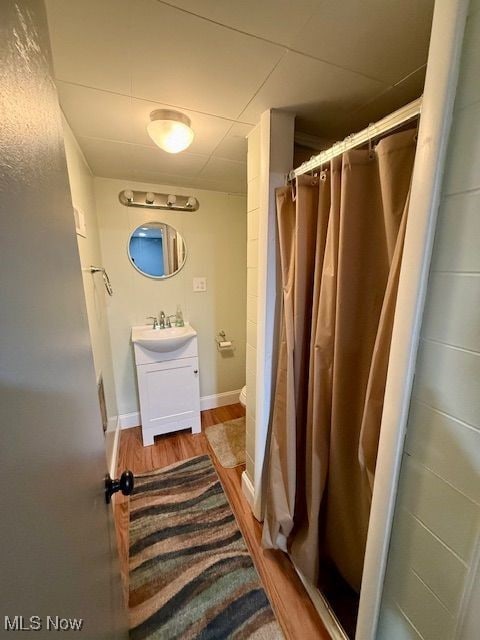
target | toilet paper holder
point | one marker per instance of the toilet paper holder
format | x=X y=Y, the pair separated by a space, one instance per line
x=223 y=343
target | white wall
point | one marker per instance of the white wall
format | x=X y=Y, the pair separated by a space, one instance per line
x=436 y=530
x=215 y=236
x=83 y=197
x=253 y=204
x=270 y=157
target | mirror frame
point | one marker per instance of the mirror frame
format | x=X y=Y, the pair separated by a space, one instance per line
x=147 y=275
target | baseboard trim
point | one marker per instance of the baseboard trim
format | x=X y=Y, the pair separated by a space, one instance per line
x=248 y=490
x=129 y=420
x=219 y=399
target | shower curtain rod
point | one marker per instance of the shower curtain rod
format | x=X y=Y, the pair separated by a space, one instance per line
x=393 y=120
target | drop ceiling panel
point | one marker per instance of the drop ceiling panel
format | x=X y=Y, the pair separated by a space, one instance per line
x=123 y=160
x=276 y=20
x=107 y=159
x=384 y=40
x=180 y=60
x=312 y=89
x=397 y=96
x=117 y=60
x=234 y=144
x=153 y=177
x=101 y=114
x=90 y=42
x=227 y=171
x=234 y=185
x=156 y=160
x=96 y=114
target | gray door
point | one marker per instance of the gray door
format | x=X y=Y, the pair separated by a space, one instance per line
x=56 y=551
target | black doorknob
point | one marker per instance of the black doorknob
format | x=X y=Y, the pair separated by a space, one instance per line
x=124 y=484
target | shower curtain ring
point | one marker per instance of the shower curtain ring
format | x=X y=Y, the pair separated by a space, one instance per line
x=371 y=152
x=293 y=187
x=323 y=172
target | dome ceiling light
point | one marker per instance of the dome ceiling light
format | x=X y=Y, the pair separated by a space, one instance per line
x=170 y=130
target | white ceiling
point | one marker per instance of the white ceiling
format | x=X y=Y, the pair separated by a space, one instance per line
x=337 y=65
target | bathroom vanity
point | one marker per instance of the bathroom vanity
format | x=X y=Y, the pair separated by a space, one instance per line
x=168 y=379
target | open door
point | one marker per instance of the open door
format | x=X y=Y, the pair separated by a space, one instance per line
x=58 y=562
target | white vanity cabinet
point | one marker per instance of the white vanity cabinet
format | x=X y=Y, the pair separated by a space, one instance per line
x=168 y=387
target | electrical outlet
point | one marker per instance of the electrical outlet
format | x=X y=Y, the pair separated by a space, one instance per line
x=199 y=284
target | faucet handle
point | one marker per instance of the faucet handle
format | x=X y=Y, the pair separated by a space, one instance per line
x=168 y=321
x=155 y=321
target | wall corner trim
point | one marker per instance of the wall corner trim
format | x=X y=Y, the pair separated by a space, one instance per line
x=277 y=130
x=115 y=449
x=248 y=490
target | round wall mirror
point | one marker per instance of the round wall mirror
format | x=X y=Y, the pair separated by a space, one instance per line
x=157 y=250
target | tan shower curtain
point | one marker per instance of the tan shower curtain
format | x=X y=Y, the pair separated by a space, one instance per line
x=341 y=242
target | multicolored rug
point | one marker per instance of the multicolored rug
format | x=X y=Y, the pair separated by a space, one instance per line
x=227 y=440
x=191 y=575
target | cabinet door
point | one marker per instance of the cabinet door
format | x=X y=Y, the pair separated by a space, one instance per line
x=169 y=394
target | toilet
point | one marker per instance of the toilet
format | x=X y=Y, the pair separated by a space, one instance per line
x=243 y=396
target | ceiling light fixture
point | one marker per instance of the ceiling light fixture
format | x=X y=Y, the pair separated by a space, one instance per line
x=170 y=130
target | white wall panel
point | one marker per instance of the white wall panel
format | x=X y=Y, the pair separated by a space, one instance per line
x=437 y=521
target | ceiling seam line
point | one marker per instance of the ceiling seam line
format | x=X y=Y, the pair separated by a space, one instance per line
x=422 y=66
x=166 y=104
x=77 y=144
x=272 y=42
x=144 y=146
x=262 y=84
x=216 y=147
x=385 y=91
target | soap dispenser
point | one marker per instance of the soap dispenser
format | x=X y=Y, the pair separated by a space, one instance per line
x=179 y=317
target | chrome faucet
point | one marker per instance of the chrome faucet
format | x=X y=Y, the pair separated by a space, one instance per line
x=162 y=320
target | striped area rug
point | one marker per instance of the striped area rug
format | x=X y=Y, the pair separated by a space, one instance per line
x=191 y=575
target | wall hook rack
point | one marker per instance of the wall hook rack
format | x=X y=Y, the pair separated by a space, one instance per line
x=164 y=201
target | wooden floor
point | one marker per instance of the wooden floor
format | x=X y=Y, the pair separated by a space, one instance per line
x=293 y=608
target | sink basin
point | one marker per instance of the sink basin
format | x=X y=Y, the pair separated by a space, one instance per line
x=162 y=339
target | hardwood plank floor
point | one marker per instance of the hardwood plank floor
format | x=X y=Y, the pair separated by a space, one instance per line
x=294 y=610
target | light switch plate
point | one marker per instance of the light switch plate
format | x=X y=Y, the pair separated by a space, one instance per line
x=199 y=284
x=80 y=225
